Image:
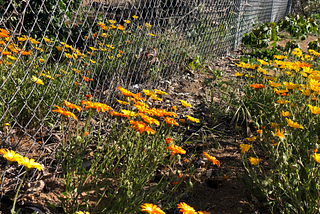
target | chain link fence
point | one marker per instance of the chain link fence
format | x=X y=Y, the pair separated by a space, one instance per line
x=53 y=51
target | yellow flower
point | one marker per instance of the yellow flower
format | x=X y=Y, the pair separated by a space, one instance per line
x=244 y=147
x=174 y=108
x=238 y=74
x=22 y=39
x=278 y=133
x=47 y=40
x=129 y=113
x=31 y=164
x=274 y=84
x=285 y=114
x=249 y=75
x=135 y=17
x=41 y=60
x=127 y=21
x=192 y=119
x=33 y=41
x=147 y=92
x=122 y=102
x=260 y=131
x=154 y=97
x=185 y=104
x=282 y=101
x=314 y=109
x=316 y=157
x=270 y=78
x=251 y=139
x=150 y=34
x=59 y=48
x=160 y=92
x=38 y=81
x=262 y=62
x=11 y=156
x=265 y=72
x=11 y=57
x=254 y=161
x=290 y=85
x=293 y=124
x=306 y=92
x=280 y=57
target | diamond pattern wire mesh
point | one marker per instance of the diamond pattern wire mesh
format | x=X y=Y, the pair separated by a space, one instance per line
x=80 y=47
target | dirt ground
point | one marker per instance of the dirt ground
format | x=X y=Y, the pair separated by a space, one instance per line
x=216 y=190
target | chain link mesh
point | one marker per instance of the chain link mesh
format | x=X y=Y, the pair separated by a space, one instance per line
x=53 y=51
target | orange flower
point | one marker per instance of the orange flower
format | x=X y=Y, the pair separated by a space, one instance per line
x=89 y=104
x=6 y=53
x=117 y=114
x=141 y=127
x=168 y=140
x=182 y=120
x=212 y=159
x=257 y=86
x=128 y=41
x=64 y=112
x=149 y=120
x=75 y=83
x=171 y=121
x=25 y=53
x=102 y=107
x=174 y=108
x=72 y=106
x=137 y=96
x=176 y=149
x=186 y=209
x=274 y=144
x=86 y=133
x=88 y=96
x=125 y=92
x=175 y=182
x=96 y=105
x=4 y=35
x=151 y=209
x=86 y=79
x=121 y=52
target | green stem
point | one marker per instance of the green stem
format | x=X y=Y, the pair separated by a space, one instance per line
x=15 y=198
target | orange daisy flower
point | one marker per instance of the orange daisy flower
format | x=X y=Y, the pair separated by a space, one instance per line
x=176 y=149
x=125 y=92
x=151 y=209
x=72 y=106
x=212 y=159
x=186 y=209
x=171 y=121
x=25 y=53
x=64 y=112
x=257 y=86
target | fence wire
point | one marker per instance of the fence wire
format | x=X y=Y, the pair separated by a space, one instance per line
x=53 y=51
